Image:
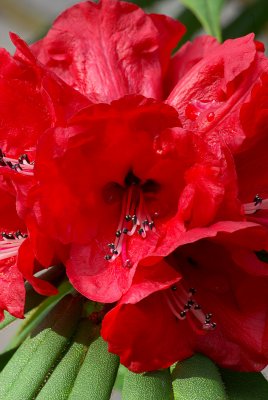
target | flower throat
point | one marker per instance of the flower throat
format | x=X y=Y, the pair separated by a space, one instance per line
x=134 y=217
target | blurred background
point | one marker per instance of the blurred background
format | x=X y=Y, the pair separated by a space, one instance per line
x=32 y=18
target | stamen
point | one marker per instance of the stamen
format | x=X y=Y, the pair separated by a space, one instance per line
x=258 y=204
x=182 y=304
x=10 y=244
x=22 y=165
x=134 y=218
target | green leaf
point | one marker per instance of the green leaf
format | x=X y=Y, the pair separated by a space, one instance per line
x=39 y=314
x=5 y=357
x=151 y=385
x=197 y=378
x=97 y=374
x=245 y=385
x=208 y=13
x=60 y=383
x=118 y=385
x=33 y=361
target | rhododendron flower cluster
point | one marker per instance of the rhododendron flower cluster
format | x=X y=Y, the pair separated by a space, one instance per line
x=145 y=174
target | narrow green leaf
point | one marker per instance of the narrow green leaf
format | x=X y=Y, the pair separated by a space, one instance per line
x=197 y=378
x=151 y=385
x=208 y=13
x=5 y=357
x=97 y=374
x=60 y=383
x=118 y=385
x=30 y=365
x=39 y=314
x=245 y=385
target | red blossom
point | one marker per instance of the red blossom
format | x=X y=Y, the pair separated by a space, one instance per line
x=141 y=176
x=217 y=305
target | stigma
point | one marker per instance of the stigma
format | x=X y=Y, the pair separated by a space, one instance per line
x=134 y=219
x=183 y=305
x=22 y=165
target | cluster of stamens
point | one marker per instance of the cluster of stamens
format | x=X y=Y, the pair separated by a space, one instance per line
x=134 y=219
x=258 y=203
x=21 y=165
x=10 y=244
x=13 y=235
x=183 y=304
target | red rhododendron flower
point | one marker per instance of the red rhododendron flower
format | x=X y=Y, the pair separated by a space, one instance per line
x=220 y=284
x=141 y=164
x=140 y=177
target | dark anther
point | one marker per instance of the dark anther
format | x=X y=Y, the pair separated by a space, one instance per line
x=118 y=233
x=125 y=230
x=197 y=307
x=190 y=302
x=16 y=167
x=115 y=252
x=9 y=236
x=208 y=316
x=140 y=231
x=134 y=219
x=174 y=288
x=257 y=200
x=151 y=224
x=187 y=306
x=192 y=290
x=183 y=314
x=131 y=179
x=107 y=257
x=111 y=245
x=22 y=158
x=128 y=217
x=213 y=325
x=145 y=222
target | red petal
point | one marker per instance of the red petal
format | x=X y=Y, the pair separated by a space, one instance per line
x=12 y=293
x=26 y=266
x=146 y=335
x=187 y=57
x=217 y=86
x=149 y=279
x=111 y=48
